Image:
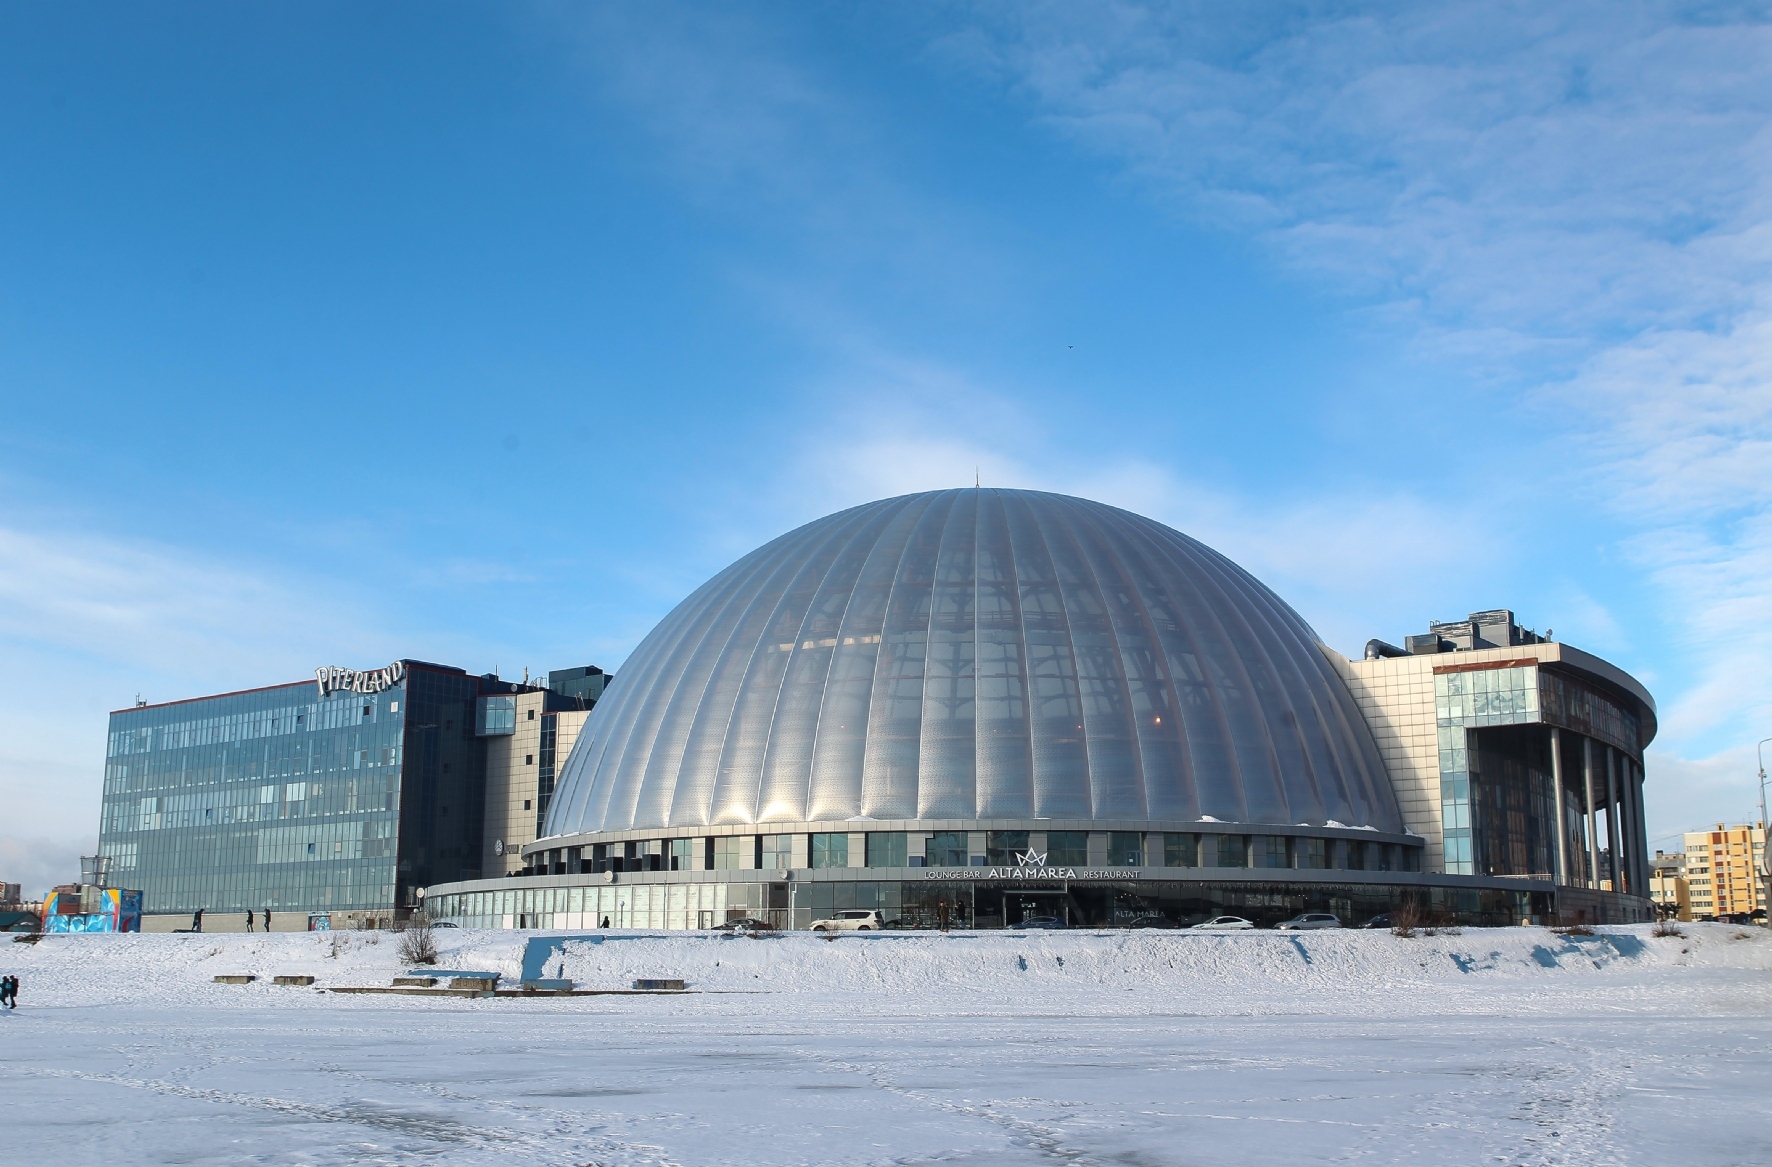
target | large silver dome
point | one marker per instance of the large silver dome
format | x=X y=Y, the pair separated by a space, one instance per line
x=976 y=654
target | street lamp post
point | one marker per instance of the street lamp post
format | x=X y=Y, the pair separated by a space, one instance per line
x=1765 y=857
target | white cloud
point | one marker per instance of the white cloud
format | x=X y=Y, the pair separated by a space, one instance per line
x=156 y=609
x=87 y=622
x=39 y=864
x=1574 y=201
x=1695 y=795
x=1356 y=563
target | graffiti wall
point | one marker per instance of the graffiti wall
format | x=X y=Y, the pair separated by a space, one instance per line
x=104 y=909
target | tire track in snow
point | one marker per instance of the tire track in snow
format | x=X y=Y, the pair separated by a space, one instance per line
x=1045 y=1141
x=435 y=1129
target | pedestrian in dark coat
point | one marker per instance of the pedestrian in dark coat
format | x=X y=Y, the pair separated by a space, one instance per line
x=267 y=919
x=9 y=992
x=197 y=921
x=249 y=919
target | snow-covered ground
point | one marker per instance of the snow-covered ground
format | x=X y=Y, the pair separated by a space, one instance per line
x=1493 y=1046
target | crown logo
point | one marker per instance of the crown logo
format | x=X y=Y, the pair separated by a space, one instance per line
x=1030 y=858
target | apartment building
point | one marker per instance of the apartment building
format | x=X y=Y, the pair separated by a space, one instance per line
x=1668 y=887
x=1725 y=870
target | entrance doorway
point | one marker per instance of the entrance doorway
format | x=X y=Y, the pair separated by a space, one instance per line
x=1022 y=906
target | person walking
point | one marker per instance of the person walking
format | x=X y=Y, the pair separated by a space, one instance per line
x=267 y=919
x=9 y=992
x=249 y=919
x=197 y=921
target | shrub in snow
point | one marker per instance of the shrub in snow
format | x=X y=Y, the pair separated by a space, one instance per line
x=417 y=944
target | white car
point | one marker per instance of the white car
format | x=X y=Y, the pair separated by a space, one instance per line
x=856 y=921
x=1223 y=924
x=1306 y=920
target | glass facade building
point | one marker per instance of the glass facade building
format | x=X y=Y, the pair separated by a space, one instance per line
x=1506 y=736
x=295 y=799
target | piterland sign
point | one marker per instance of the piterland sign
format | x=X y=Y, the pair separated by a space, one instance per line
x=333 y=679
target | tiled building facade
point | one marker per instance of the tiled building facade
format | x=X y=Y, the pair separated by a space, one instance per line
x=1725 y=868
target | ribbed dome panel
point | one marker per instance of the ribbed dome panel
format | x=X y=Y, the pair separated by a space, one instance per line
x=970 y=654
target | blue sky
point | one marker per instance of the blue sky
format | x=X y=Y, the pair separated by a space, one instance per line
x=482 y=334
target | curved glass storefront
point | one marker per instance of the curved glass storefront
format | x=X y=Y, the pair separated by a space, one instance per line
x=1009 y=899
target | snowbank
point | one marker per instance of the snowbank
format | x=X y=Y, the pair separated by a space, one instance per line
x=1078 y=970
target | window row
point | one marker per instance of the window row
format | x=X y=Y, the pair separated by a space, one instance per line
x=897 y=849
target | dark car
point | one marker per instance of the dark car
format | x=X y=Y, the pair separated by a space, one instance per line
x=1380 y=921
x=746 y=924
x=1153 y=922
x=1042 y=922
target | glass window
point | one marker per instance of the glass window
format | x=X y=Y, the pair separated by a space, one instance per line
x=888 y=849
x=1125 y=849
x=946 y=849
x=1232 y=851
x=774 y=852
x=1004 y=848
x=680 y=852
x=1067 y=848
x=1181 y=850
x=1313 y=854
x=496 y=716
x=723 y=852
x=830 y=850
x=1270 y=851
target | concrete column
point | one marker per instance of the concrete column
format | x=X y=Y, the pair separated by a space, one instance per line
x=1613 y=843
x=1642 y=823
x=858 y=849
x=1593 y=837
x=1561 y=856
x=1633 y=818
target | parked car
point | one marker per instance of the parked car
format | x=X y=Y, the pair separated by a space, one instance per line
x=745 y=924
x=1153 y=922
x=1306 y=921
x=851 y=921
x=444 y=924
x=1380 y=921
x=1223 y=924
x=1042 y=922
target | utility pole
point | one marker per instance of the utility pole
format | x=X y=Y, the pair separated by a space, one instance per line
x=1765 y=856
